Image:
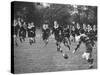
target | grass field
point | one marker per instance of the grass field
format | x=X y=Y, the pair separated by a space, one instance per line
x=37 y=58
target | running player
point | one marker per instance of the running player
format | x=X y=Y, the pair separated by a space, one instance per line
x=66 y=34
x=16 y=30
x=58 y=33
x=45 y=33
x=31 y=33
x=22 y=33
x=87 y=55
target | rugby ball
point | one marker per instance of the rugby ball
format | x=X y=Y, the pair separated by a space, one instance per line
x=65 y=56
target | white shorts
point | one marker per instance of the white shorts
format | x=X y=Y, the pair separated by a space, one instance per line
x=86 y=55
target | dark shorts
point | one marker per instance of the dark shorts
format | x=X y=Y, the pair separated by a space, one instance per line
x=45 y=36
x=59 y=38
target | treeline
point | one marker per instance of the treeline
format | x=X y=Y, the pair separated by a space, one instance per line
x=64 y=14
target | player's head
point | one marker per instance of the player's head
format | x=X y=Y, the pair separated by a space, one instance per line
x=73 y=22
x=44 y=26
x=32 y=23
x=24 y=23
x=15 y=22
x=22 y=20
x=84 y=26
x=73 y=28
x=78 y=26
x=56 y=25
x=55 y=22
x=88 y=27
x=94 y=27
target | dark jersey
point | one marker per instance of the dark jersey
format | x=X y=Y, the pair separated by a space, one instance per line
x=22 y=32
x=31 y=31
x=66 y=33
x=58 y=32
x=46 y=33
x=91 y=35
x=77 y=31
x=94 y=33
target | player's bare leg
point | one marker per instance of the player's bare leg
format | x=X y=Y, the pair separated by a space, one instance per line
x=59 y=47
x=34 y=41
x=66 y=44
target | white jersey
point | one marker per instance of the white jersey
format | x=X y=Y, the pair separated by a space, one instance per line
x=78 y=37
